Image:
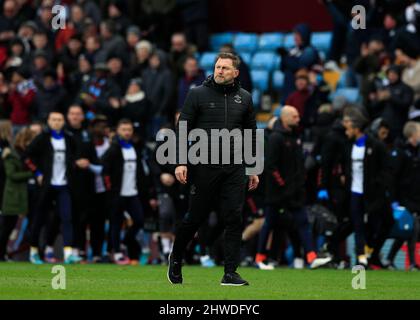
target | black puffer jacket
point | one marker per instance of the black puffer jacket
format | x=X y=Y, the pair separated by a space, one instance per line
x=213 y=106
x=284 y=169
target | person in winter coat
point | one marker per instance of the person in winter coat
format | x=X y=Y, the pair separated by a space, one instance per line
x=302 y=55
x=15 y=195
x=405 y=188
x=193 y=77
x=393 y=101
x=285 y=187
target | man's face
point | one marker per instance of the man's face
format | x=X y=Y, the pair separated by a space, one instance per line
x=392 y=76
x=49 y=82
x=76 y=14
x=40 y=40
x=154 y=61
x=292 y=119
x=35 y=128
x=114 y=65
x=75 y=117
x=191 y=67
x=225 y=72
x=383 y=133
x=125 y=131
x=350 y=130
x=301 y=84
x=178 y=43
x=92 y=44
x=99 y=129
x=9 y=9
x=132 y=39
x=56 y=121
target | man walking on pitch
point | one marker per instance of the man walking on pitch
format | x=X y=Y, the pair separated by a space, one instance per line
x=219 y=103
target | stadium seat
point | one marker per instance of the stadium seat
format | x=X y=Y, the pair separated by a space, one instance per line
x=322 y=41
x=256 y=98
x=265 y=61
x=246 y=57
x=219 y=39
x=270 y=41
x=207 y=60
x=289 y=41
x=260 y=79
x=245 y=42
x=351 y=94
x=277 y=80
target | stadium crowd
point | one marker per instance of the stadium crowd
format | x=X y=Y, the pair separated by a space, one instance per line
x=81 y=106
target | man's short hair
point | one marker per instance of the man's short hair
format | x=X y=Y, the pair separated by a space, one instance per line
x=410 y=128
x=357 y=119
x=124 y=121
x=227 y=55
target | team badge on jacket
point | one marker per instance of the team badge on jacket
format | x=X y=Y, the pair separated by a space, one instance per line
x=237 y=98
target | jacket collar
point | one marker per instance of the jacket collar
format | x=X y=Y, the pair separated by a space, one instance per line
x=234 y=87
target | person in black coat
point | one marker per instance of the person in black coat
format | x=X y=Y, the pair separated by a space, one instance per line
x=285 y=186
x=393 y=101
x=367 y=179
x=126 y=180
x=53 y=157
x=405 y=188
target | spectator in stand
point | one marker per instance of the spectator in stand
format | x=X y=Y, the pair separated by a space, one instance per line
x=117 y=13
x=91 y=10
x=368 y=65
x=21 y=97
x=69 y=56
x=15 y=195
x=50 y=96
x=158 y=86
x=392 y=102
x=112 y=42
x=133 y=37
x=302 y=55
x=410 y=61
x=117 y=72
x=192 y=78
x=95 y=93
x=9 y=23
x=143 y=51
x=180 y=50
x=195 y=16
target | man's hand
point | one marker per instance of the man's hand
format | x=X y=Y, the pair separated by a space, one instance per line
x=181 y=174
x=83 y=163
x=167 y=179
x=253 y=182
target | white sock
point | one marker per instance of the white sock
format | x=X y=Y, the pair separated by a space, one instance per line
x=67 y=252
x=49 y=249
x=166 y=245
x=33 y=250
x=118 y=256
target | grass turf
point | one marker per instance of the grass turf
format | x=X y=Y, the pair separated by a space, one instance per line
x=26 y=281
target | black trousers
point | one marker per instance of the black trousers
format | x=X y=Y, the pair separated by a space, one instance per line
x=208 y=183
x=7 y=224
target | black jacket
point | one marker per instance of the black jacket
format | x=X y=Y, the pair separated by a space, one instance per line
x=39 y=157
x=113 y=166
x=376 y=175
x=332 y=158
x=406 y=177
x=284 y=169
x=213 y=106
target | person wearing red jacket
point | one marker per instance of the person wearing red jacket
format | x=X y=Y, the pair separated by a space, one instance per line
x=20 y=99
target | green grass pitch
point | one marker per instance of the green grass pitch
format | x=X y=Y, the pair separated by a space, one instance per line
x=26 y=281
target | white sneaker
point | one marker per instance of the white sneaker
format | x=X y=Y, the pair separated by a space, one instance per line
x=318 y=262
x=298 y=263
x=262 y=266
